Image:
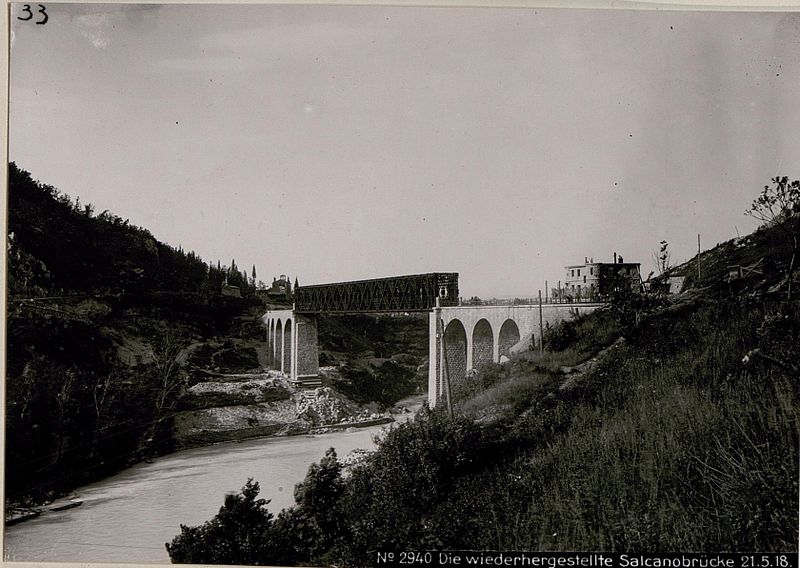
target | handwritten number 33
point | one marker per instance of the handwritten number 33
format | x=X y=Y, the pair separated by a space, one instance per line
x=27 y=11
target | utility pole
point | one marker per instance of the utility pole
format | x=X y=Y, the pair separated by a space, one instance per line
x=541 y=325
x=445 y=372
x=698 y=259
x=546 y=288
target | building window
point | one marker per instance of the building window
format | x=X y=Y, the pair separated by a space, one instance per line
x=591 y=271
x=579 y=272
x=584 y=279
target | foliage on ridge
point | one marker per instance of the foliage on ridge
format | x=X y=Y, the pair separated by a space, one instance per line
x=98 y=311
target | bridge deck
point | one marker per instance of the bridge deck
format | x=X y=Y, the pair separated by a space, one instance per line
x=410 y=293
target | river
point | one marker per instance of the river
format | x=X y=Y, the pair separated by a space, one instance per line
x=129 y=517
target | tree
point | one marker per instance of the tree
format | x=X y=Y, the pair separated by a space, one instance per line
x=662 y=258
x=254 y=275
x=317 y=519
x=238 y=534
x=778 y=206
x=64 y=402
x=167 y=383
x=105 y=390
x=626 y=304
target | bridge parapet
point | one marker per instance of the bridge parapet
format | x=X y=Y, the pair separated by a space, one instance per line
x=526 y=301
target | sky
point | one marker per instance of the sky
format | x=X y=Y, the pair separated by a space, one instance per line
x=346 y=142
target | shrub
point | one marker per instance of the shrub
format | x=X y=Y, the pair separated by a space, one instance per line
x=238 y=534
x=388 y=502
x=560 y=337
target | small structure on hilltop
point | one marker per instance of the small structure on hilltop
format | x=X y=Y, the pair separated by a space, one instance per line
x=739 y=272
x=590 y=280
x=280 y=291
x=230 y=289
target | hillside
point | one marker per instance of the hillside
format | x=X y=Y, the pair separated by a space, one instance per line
x=121 y=348
x=656 y=424
x=380 y=357
x=98 y=312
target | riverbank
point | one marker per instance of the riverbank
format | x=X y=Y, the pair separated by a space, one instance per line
x=129 y=516
x=266 y=404
x=400 y=412
x=323 y=400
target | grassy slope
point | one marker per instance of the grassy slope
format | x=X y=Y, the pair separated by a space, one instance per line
x=670 y=443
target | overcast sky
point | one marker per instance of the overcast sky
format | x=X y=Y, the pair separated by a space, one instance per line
x=340 y=142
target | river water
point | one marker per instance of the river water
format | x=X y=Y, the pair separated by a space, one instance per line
x=130 y=516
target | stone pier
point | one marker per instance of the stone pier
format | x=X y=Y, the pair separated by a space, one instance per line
x=292 y=345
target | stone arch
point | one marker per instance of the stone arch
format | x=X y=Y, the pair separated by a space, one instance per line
x=287 y=347
x=509 y=336
x=277 y=352
x=482 y=344
x=455 y=351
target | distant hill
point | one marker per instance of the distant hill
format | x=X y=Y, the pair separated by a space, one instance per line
x=62 y=246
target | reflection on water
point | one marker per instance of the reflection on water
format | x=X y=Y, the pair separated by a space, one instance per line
x=129 y=517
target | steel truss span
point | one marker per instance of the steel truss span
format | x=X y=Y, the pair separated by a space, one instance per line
x=412 y=293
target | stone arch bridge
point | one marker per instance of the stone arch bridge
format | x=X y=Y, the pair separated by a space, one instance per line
x=462 y=338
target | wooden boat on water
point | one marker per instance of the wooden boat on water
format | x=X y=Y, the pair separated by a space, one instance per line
x=16 y=516
x=65 y=506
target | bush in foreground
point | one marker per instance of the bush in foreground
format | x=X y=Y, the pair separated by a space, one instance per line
x=238 y=534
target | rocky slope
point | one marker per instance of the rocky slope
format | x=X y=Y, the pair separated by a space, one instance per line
x=264 y=403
